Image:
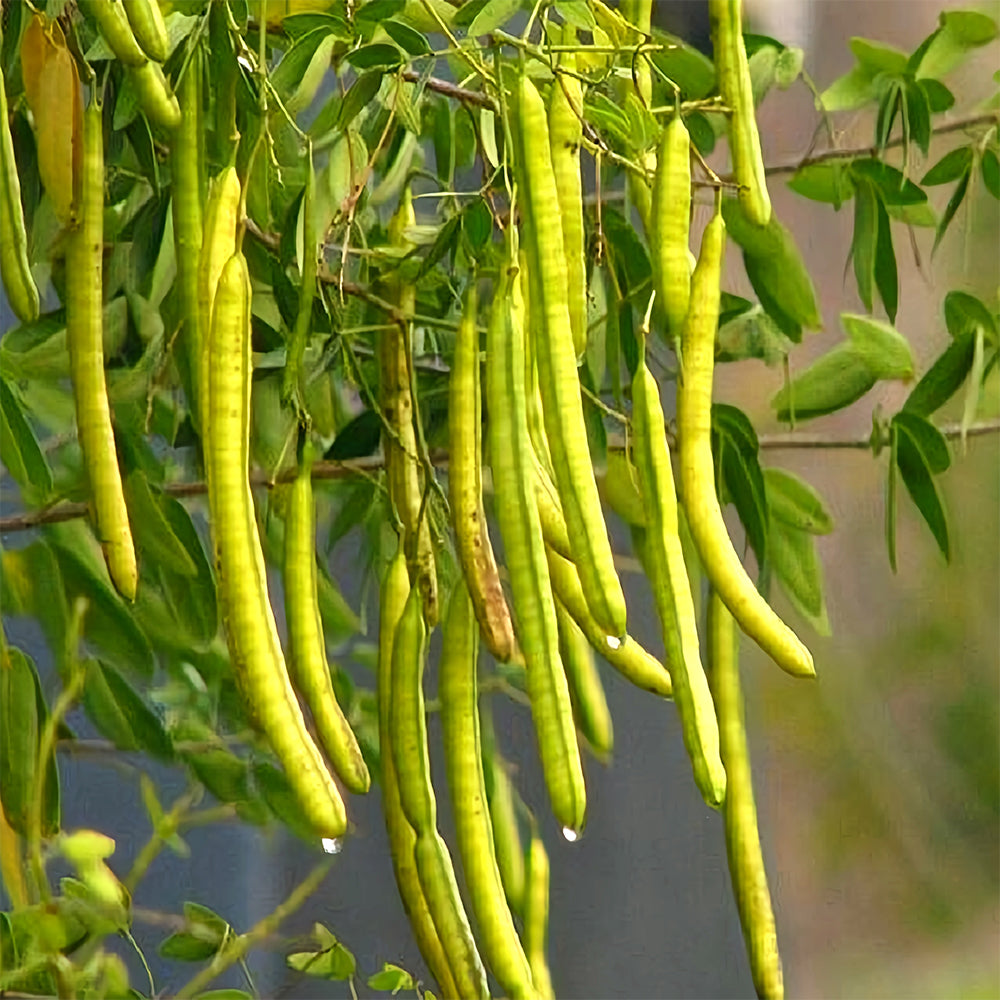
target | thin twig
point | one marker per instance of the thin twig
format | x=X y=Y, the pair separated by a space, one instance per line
x=265 y=928
x=957 y=125
x=439 y=458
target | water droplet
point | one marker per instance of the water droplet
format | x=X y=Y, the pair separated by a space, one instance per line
x=570 y=834
x=613 y=642
x=332 y=845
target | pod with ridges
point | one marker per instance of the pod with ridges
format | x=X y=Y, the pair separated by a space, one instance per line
x=536 y=916
x=746 y=861
x=84 y=336
x=149 y=28
x=629 y=658
x=590 y=706
x=458 y=693
x=733 y=71
x=533 y=605
x=15 y=268
x=671 y=215
x=307 y=662
x=560 y=387
x=252 y=636
x=701 y=504
x=465 y=488
x=671 y=589
x=113 y=23
x=402 y=838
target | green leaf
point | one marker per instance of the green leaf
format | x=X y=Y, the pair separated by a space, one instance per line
x=950 y=167
x=945 y=376
x=298 y=76
x=939 y=97
x=793 y=501
x=792 y=557
x=466 y=14
x=961 y=31
x=890 y=496
x=886 y=276
x=776 y=270
x=391 y=979
x=370 y=15
x=991 y=173
x=108 y=622
x=736 y=446
x=20 y=729
x=151 y=529
x=204 y=934
x=408 y=39
x=752 y=334
x=835 y=380
x=920 y=214
x=340 y=621
x=889 y=107
x=892 y=184
x=33 y=586
x=853 y=90
x=361 y=94
x=495 y=14
x=446 y=242
x=789 y=66
x=917 y=474
x=917 y=109
x=952 y=207
x=121 y=715
x=877 y=57
x=964 y=312
x=19 y=450
x=865 y=240
x=358 y=438
x=882 y=347
x=376 y=56
x=627 y=253
x=932 y=443
x=828 y=182
x=334 y=962
x=225 y=994
x=222 y=773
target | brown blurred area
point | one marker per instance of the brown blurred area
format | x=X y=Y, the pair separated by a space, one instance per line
x=879 y=785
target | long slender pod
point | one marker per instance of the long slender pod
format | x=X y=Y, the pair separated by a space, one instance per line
x=701 y=504
x=459 y=696
x=411 y=760
x=149 y=28
x=186 y=164
x=671 y=216
x=503 y=816
x=402 y=839
x=84 y=335
x=534 y=608
x=628 y=657
x=671 y=589
x=565 y=136
x=465 y=488
x=254 y=647
x=536 y=916
x=590 y=706
x=733 y=71
x=406 y=489
x=113 y=23
x=221 y=217
x=157 y=100
x=558 y=380
x=746 y=861
x=307 y=662
x=15 y=268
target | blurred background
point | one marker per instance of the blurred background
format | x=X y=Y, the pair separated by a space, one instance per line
x=878 y=786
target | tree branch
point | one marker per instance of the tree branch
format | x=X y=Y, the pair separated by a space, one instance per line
x=958 y=125
x=439 y=458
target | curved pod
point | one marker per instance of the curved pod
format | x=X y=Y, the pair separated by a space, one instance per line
x=254 y=648
x=307 y=662
x=701 y=504
x=84 y=335
x=560 y=387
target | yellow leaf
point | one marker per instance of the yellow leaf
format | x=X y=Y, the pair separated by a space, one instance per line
x=52 y=88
